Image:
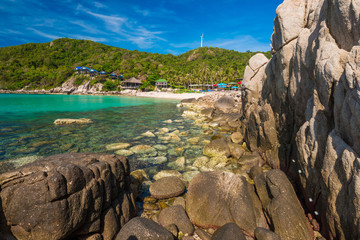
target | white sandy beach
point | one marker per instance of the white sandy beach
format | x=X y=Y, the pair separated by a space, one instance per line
x=179 y=96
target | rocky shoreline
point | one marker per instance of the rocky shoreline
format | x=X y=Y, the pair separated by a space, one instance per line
x=229 y=184
x=299 y=112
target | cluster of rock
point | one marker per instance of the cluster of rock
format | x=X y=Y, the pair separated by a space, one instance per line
x=92 y=196
x=221 y=205
x=301 y=108
x=67 y=196
x=86 y=88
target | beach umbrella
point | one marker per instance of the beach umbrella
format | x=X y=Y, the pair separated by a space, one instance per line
x=234 y=87
x=239 y=82
x=222 y=85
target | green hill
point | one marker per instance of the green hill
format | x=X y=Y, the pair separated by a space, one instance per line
x=45 y=65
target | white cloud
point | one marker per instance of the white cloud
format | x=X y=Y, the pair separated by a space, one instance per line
x=240 y=43
x=99 y=5
x=87 y=27
x=128 y=29
x=143 y=12
x=112 y=23
x=44 y=34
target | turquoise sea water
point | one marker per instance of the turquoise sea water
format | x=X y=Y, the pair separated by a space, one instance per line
x=27 y=129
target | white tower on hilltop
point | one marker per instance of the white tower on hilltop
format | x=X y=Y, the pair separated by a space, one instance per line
x=202 y=36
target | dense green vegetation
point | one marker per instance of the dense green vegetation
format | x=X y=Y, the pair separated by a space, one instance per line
x=46 y=65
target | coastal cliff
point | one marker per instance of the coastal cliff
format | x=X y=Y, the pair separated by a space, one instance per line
x=301 y=108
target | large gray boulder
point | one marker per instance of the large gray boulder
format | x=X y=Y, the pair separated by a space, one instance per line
x=66 y=196
x=216 y=198
x=265 y=234
x=167 y=187
x=176 y=215
x=229 y=231
x=217 y=147
x=143 y=229
x=281 y=205
x=225 y=104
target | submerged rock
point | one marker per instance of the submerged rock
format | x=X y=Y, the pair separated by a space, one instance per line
x=148 y=134
x=167 y=173
x=124 y=152
x=160 y=147
x=142 y=149
x=116 y=146
x=65 y=121
x=178 y=163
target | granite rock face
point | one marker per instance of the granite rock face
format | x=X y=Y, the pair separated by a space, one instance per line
x=301 y=109
x=67 y=195
x=217 y=198
x=280 y=203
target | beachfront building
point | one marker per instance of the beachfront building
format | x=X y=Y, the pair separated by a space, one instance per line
x=198 y=87
x=93 y=73
x=131 y=83
x=85 y=70
x=113 y=75
x=78 y=69
x=161 y=83
x=102 y=73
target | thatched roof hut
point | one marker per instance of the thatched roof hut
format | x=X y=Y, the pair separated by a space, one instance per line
x=131 y=83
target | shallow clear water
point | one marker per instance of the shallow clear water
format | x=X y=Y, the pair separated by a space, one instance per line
x=27 y=129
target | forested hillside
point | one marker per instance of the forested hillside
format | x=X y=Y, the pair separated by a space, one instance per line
x=47 y=65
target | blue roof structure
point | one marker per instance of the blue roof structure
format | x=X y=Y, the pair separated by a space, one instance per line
x=78 y=68
x=102 y=72
x=85 y=68
x=93 y=70
x=113 y=74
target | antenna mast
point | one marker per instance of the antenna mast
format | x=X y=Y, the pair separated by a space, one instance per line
x=202 y=36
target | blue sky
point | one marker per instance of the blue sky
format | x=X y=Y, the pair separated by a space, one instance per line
x=172 y=26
